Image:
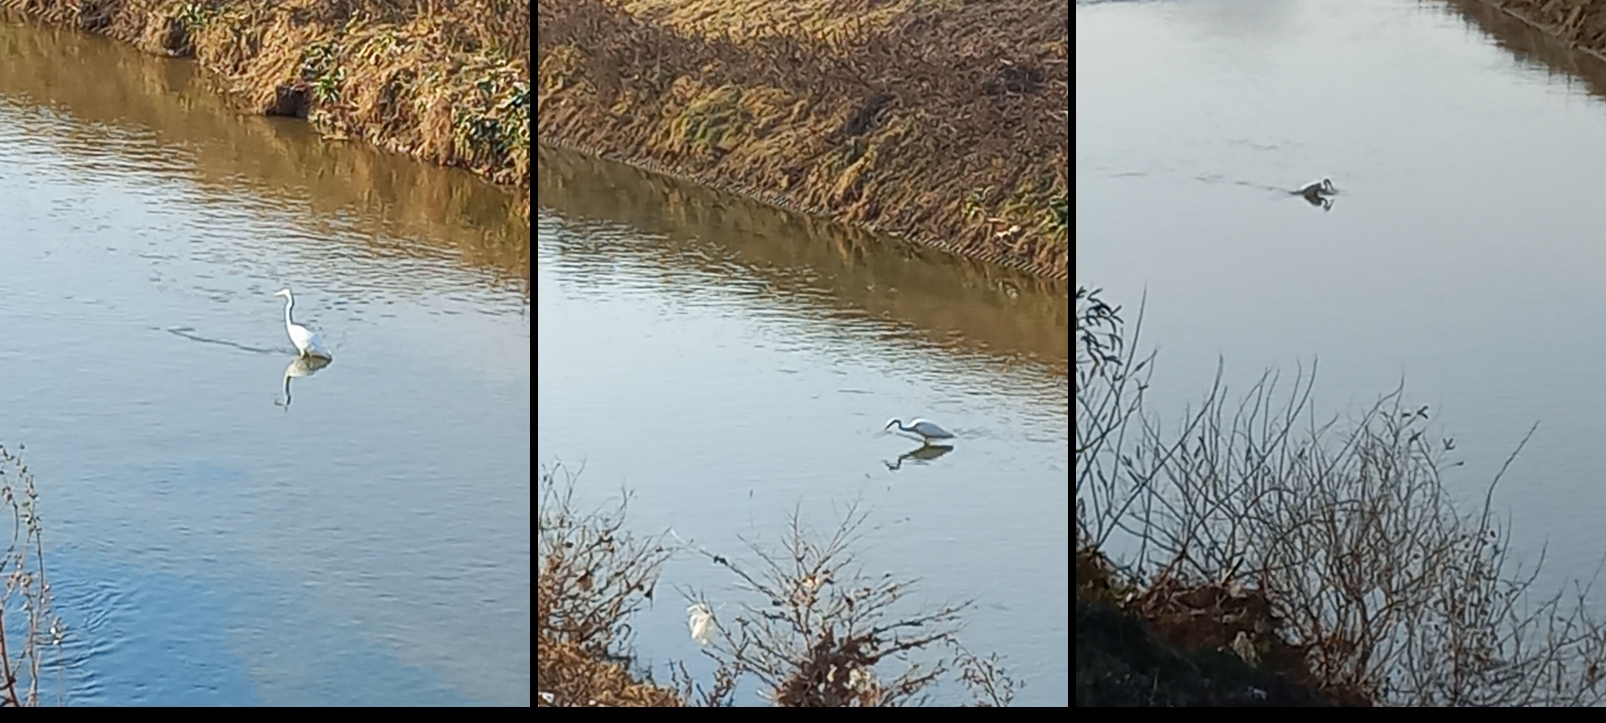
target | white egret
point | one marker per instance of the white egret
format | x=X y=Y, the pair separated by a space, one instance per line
x=926 y=429
x=305 y=340
x=701 y=623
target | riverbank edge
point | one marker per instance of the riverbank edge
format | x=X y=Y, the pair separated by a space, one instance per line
x=830 y=118
x=1579 y=23
x=1120 y=662
x=423 y=85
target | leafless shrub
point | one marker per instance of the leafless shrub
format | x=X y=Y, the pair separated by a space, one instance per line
x=817 y=639
x=593 y=575
x=821 y=629
x=1387 y=590
x=24 y=569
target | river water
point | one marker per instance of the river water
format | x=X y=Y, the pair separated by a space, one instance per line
x=211 y=539
x=1464 y=254
x=728 y=364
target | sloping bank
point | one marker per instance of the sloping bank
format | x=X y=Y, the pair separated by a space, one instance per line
x=1579 y=22
x=946 y=123
x=443 y=82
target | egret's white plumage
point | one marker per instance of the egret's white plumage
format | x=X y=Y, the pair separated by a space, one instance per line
x=305 y=340
x=701 y=623
x=926 y=429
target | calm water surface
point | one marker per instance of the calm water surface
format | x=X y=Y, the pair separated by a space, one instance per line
x=1465 y=253
x=728 y=364
x=209 y=543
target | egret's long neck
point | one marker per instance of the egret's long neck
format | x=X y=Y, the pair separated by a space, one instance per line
x=289 y=301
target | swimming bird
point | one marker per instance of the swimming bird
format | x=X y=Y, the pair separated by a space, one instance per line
x=926 y=429
x=1317 y=189
x=305 y=340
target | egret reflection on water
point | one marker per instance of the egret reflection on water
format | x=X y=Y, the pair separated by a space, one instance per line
x=922 y=454
x=303 y=366
x=306 y=341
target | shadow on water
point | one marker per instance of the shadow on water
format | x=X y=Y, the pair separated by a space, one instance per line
x=186 y=332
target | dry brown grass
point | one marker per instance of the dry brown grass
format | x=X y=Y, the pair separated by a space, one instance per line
x=944 y=122
x=447 y=82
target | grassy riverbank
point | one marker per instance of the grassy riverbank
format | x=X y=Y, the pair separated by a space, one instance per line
x=443 y=82
x=942 y=122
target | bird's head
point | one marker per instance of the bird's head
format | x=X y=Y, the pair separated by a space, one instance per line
x=282 y=292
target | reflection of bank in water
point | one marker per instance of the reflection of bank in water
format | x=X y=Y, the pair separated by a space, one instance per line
x=304 y=366
x=924 y=453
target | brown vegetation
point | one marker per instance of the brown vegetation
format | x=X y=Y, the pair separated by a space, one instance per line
x=814 y=630
x=444 y=82
x=943 y=122
x=1330 y=553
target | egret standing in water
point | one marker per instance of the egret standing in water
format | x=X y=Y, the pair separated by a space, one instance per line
x=927 y=430
x=305 y=340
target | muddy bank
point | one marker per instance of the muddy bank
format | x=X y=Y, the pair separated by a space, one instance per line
x=1120 y=662
x=944 y=123
x=443 y=82
x=1581 y=23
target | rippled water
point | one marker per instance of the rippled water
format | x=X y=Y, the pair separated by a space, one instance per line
x=1462 y=256
x=729 y=363
x=210 y=542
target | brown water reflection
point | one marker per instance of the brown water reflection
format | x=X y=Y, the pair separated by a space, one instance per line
x=966 y=305
x=367 y=192
x=1529 y=43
